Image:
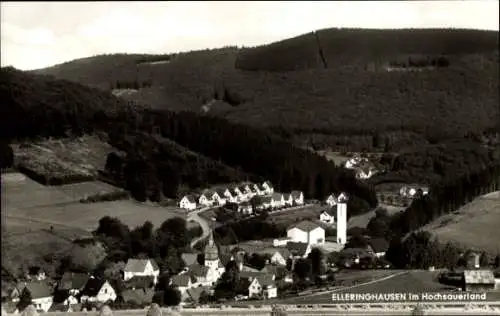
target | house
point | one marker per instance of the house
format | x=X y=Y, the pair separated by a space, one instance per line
x=141 y=267
x=306 y=232
x=298 y=197
x=278 y=271
x=183 y=282
x=219 y=196
x=36 y=273
x=299 y=249
x=288 y=199
x=64 y=308
x=247 y=189
x=236 y=191
x=213 y=268
x=245 y=208
x=268 y=187
x=188 y=202
x=264 y=286
x=472 y=260
x=277 y=200
x=331 y=200
x=279 y=257
x=478 y=280
x=41 y=294
x=379 y=246
x=265 y=202
x=72 y=283
x=97 y=290
x=327 y=216
x=207 y=198
x=256 y=189
x=230 y=196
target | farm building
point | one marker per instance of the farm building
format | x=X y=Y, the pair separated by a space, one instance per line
x=306 y=232
x=188 y=202
x=263 y=285
x=478 y=280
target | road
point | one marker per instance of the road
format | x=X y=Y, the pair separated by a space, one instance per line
x=204 y=224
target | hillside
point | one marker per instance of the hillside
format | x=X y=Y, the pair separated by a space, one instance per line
x=165 y=150
x=331 y=88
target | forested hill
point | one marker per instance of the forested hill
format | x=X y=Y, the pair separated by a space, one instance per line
x=36 y=105
x=330 y=88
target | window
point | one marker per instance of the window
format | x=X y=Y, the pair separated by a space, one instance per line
x=105 y=291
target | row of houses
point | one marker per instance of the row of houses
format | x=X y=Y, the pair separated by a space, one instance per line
x=75 y=290
x=221 y=196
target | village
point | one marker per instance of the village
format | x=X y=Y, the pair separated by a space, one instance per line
x=280 y=276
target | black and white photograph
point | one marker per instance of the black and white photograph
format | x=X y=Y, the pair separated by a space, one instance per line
x=229 y=158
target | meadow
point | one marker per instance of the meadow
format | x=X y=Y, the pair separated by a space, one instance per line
x=475 y=225
x=39 y=220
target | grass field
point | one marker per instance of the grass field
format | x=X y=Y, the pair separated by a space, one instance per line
x=475 y=225
x=84 y=189
x=81 y=155
x=363 y=219
x=31 y=209
x=289 y=217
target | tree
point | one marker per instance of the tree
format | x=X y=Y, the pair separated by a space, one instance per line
x=25 y=299
x=316 y=258
x=484 y=259
x=497 y=261
x=87 y=258
x=171 y=296
x=303 y=268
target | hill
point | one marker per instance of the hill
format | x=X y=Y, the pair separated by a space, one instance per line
x=473 y=226
x=156 y=143
x=331 y=88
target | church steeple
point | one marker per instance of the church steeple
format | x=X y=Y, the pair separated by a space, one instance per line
x=211 y=251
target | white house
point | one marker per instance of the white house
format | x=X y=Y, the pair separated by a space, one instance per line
x=247 y=189
x=268 y=187
x=263 y=285
x=220 y=196
x=298 y=197
x=72 y=282
x=141 y=267
x=229 y=196
x=353 y=162
x=266 y=202
x=255 y=188
x=98 y=290
x=236 y=192
x=327 y=216
x=306 y=232
x=207 y=198
x=342 y=218
x=183 y=282
x=41 y=294
x=277 y=200
x=188 y=202
x=331 y=200
x=288 y=199
x=280 y=257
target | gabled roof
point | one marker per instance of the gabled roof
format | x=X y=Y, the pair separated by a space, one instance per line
x=198 y=270
x=191 y=198
x=93 y=287
x=73 y=281
x=220 y=191
x=379 y=245
x=189 y=258
x=249 y=274
x=247 y=268
x=278 y=271
x=265 y=279
x=182 y=280
x=297 y=248
x=329 y=211
x=479 y=277
x=296 y=194
x=268 y=183
x=306 y=226
x=287 y=196
x=139 y=265
x=38 y=289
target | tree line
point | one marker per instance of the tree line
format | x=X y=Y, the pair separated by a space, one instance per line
x=35 y=102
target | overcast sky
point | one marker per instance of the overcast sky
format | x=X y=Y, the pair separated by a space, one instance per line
x=40 y=34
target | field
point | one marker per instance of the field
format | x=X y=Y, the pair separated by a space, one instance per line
x=475 y=225
x=31 y=209
x=83 y=155
x=289 y=217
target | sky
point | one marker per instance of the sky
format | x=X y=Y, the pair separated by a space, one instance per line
x=41 y=34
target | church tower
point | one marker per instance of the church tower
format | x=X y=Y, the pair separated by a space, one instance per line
x=342 y=219
x=211 y=253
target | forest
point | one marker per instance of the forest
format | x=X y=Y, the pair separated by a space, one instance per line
x=329 y=89
x=146 y=136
